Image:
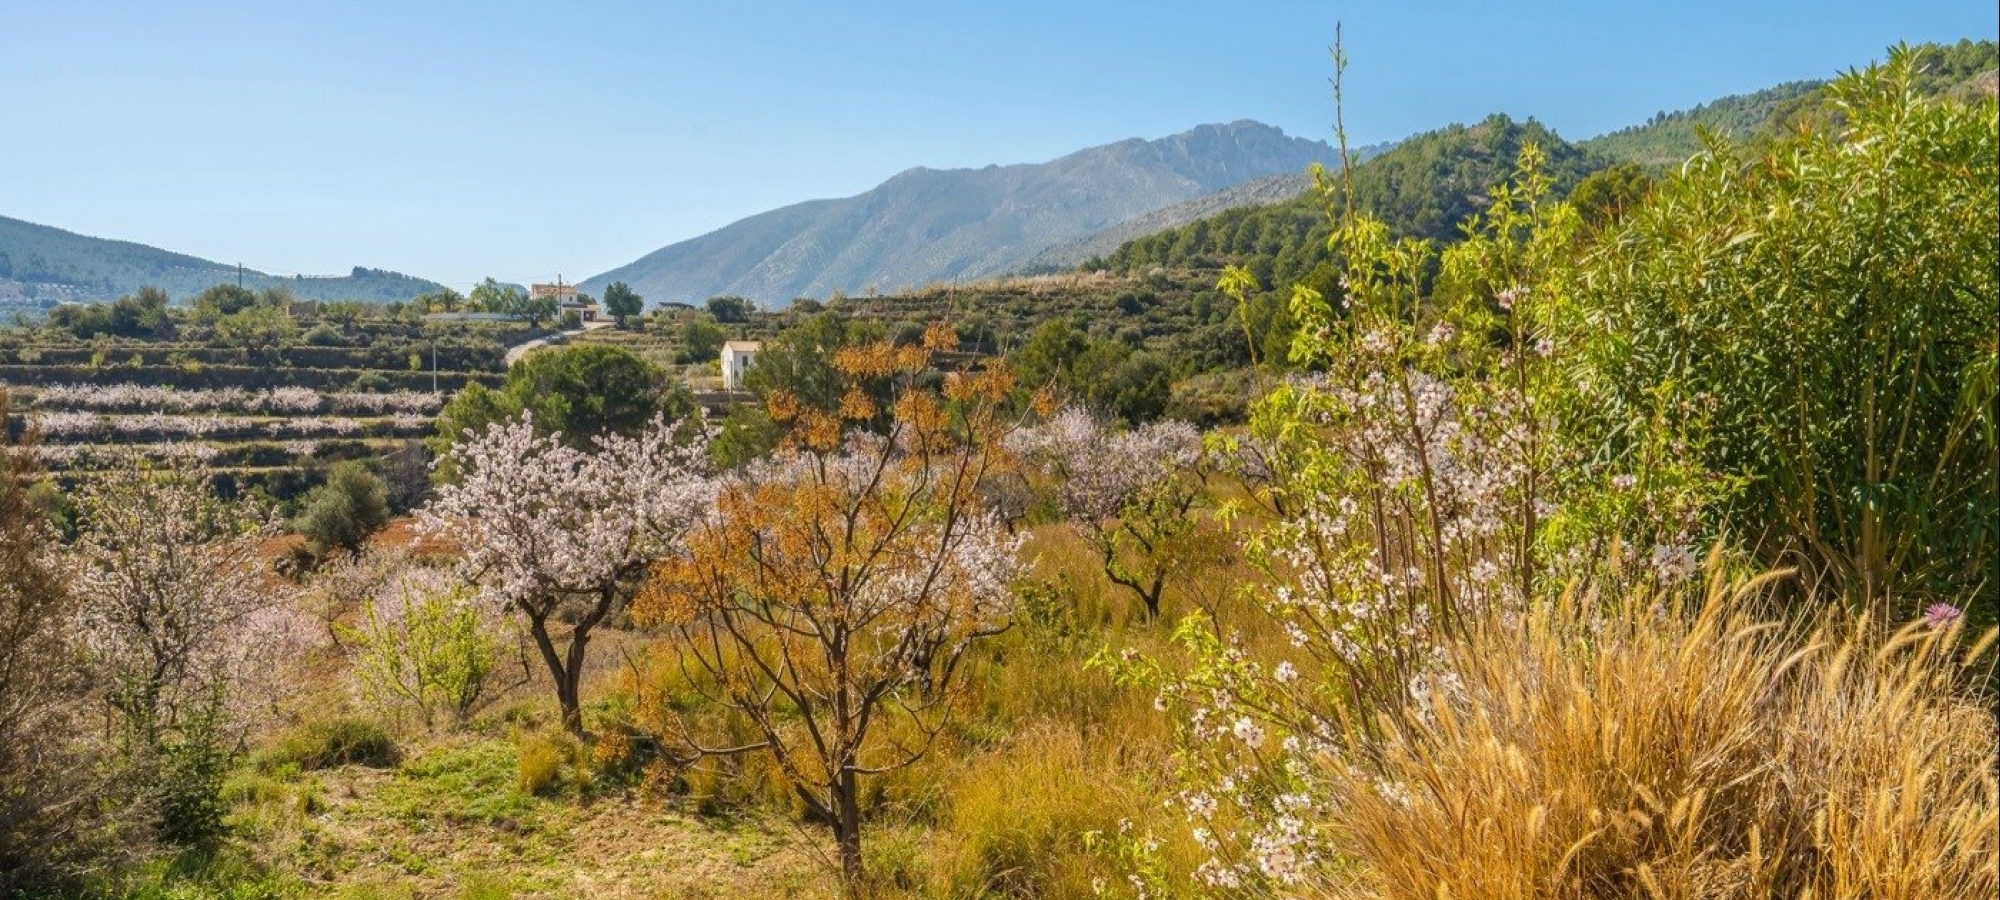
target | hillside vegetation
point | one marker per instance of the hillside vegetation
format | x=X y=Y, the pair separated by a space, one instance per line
x=268 y=398
x=1634 y=541
x=41 y=266
x=1669 y=138
x=1430 y=184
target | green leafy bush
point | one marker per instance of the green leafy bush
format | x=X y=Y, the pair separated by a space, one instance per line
x=1820 y=319
x=423 y=646
x=341 y=513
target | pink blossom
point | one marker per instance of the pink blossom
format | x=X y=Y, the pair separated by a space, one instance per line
x=1942 y=615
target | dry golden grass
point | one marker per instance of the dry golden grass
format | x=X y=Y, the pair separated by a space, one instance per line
x=1644 y=752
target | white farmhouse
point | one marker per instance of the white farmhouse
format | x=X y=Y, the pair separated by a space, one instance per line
x=737 y=357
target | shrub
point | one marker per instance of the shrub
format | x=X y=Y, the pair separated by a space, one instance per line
x=51 y=812
x=343 y=512
x=370 y=382
x=185 y=778
x=337 y=742
x=539 y=763
x=423 y=645
x=1822 y=313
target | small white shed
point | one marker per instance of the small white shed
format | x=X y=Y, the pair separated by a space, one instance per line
x=737 y=358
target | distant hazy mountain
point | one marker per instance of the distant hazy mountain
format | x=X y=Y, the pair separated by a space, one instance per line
x=927 y=225
x=38 y=262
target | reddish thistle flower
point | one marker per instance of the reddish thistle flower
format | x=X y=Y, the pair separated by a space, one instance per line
x=1941 y=615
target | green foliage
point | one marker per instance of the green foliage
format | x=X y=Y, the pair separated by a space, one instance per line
x=184 y=773
x=622 y=302
x=1603 y=197
x=703 y=339
x=257 y=326
x=799 y=359
x=1432 y=184
x=444 y=300
x=341 y=513
x=474 y=783
x=428 y=650
x=224 y=300
x=730 y=309
x=579 y=391
x=1668 y=138
x=493 y=297
x=1824 y=313
x=747 y=434
x=345 y=313
x=1107 y=376
x=141 y=315
x=214 y=871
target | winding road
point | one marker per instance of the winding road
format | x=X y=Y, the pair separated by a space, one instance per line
x=516 y=352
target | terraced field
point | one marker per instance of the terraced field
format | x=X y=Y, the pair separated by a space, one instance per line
x=264 y=417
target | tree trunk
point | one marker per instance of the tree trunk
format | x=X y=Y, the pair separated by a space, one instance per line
x=847 y=831
x=567 y=670
x=569 y=690
x=564 y=677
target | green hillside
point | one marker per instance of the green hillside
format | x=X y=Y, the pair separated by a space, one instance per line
x=1427 y=186
x=1668 y=138
x=40 y=266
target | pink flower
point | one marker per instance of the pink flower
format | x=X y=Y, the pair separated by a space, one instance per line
x=1942 y=615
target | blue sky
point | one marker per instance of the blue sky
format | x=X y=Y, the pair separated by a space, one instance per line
x=522 y=140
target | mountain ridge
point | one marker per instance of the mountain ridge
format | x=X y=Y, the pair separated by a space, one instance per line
x=925 y=225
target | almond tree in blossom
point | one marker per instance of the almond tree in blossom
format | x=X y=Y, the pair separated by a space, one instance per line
x=558 y=534
x=185 y=628
x=1419 y=482
x=833 y=592
x=177 y=605
x=1129 y=493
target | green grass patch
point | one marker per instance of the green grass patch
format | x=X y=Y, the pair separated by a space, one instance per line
x=324 y=745
x=473 y=783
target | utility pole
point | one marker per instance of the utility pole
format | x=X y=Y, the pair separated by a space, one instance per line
x=434 y=365
x=239 y=275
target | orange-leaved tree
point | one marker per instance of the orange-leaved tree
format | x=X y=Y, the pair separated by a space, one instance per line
x=831 y=595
